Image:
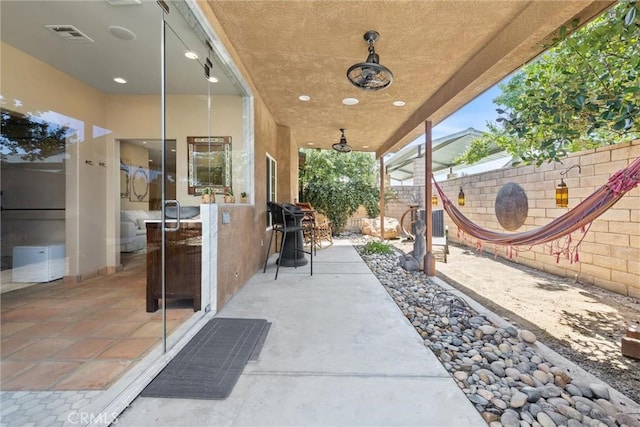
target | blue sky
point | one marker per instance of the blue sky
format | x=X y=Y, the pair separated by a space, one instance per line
x=475 y=114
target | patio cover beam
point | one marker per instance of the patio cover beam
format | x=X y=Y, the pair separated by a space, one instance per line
x=429 y=259
x=381 y=201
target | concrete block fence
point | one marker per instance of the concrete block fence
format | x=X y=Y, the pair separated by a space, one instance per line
x=610 y=250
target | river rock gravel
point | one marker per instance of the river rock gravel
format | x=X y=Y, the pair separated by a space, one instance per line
x=500 y=373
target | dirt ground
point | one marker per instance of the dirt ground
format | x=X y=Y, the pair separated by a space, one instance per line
x=580 y=322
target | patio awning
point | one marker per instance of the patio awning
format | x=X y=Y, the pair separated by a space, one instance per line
x=445 y=151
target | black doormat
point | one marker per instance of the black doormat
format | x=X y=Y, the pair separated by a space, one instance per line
x=208 y=367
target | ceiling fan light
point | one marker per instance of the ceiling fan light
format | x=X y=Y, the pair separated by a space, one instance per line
x=370 y=75
x=342 y=146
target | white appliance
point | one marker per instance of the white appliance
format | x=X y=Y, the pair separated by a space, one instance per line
x=38 y=263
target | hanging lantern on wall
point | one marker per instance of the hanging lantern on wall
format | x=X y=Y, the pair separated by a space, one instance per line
x=434 y=200
x=461 y=197
x=562 y=191
x=562 y=194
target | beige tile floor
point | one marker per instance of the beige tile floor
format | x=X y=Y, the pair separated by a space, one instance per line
x=83 y=336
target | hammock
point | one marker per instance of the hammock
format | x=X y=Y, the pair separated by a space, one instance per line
x=577 y=218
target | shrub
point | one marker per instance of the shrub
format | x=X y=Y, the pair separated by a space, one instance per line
x=377 y=247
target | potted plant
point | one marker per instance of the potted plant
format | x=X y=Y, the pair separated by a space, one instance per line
x=208 y=196
x=244 y=197
x=228 y=196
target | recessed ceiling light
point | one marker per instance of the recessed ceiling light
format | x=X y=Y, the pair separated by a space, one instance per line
x=173 y=150
x=304 y=98
x=399 y=103
x=213 y=79
x=120 y=80
x=350 y=101
x=191 y=54
x=144 y=142
x=365 y=146
x=311 y=143
x=121 y=32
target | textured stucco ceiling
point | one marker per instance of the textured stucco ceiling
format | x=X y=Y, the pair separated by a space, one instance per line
x=442 y=53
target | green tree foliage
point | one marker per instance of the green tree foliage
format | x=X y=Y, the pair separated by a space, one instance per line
x=29 y=137
x=336 y=184
x=582 y=93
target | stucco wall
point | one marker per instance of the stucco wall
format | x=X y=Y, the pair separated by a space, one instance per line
x=242 y=247
x=242 y=244
x=610 y=251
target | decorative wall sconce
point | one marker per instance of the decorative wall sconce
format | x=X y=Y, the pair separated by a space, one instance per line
x=461 y=197
x=434 y=200
x=562 y=191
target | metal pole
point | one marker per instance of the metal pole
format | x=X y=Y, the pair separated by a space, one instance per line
x=381 y=199
x=429 y=259
x=163 y=95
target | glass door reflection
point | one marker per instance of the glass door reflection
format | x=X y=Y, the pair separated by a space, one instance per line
x=186 y=112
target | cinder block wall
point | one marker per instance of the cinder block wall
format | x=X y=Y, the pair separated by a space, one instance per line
x=404 y=195
x=610 y=251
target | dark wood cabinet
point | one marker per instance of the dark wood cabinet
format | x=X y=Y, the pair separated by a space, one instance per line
x=183 y=264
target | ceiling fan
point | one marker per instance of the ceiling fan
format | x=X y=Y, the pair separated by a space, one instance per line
x=342 y=146
x=370 y=75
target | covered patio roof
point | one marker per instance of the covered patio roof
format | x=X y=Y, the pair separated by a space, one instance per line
x=442 y=55
x=445 y=151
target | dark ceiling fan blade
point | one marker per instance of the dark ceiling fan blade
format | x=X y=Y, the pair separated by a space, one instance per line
x=342 y=146
x=370 y=75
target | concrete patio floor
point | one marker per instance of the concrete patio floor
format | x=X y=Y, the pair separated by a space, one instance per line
x=339 y=352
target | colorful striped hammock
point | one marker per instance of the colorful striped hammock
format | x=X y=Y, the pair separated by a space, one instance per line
x=579 y=217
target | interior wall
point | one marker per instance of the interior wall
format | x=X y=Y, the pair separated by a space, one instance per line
x=92 y=161
x=32 y=185
x=133 y=155
x=30 y=86
x=137 y=117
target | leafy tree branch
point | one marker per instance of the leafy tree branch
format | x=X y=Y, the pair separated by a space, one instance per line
x=336 y=184
x=584 y=92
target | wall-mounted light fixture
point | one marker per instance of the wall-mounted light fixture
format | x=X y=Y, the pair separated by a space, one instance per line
x=461 y=197
x=562 y=191
x=434 y=200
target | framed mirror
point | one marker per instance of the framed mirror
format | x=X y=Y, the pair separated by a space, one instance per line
x=209 y=163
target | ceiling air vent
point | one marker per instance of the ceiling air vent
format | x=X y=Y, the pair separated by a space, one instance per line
x=70 y=33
